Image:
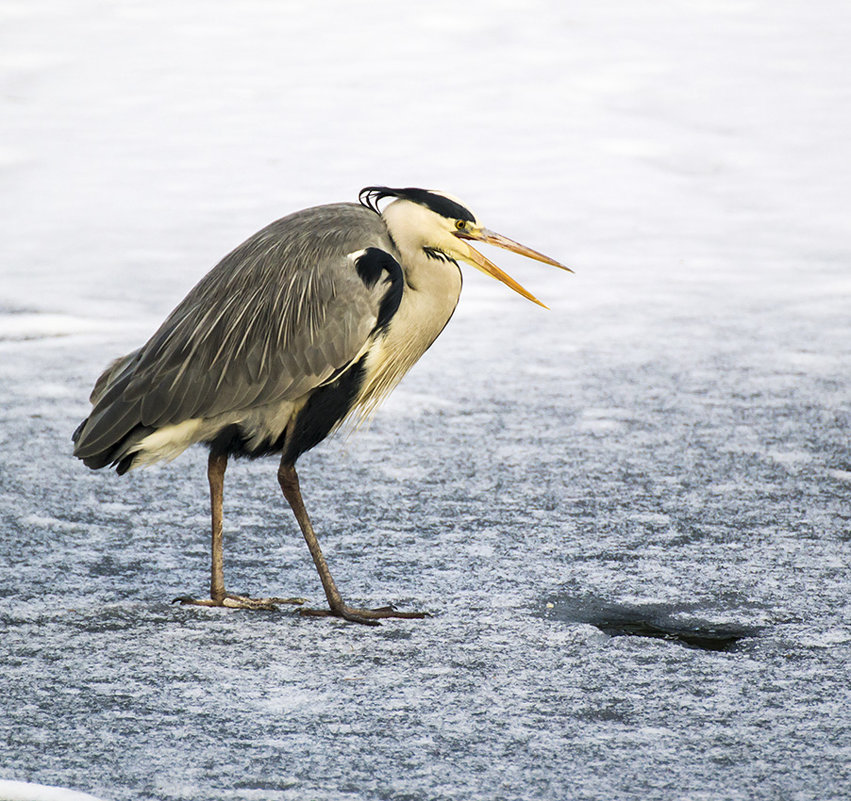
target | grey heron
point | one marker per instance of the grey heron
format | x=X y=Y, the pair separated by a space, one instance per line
x=309 y=322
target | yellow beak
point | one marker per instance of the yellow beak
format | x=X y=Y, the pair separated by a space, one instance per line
x=487 y=266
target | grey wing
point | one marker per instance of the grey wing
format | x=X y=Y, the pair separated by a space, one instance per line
x=276 y=317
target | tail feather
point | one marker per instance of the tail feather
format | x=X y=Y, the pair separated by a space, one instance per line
x=114 y=425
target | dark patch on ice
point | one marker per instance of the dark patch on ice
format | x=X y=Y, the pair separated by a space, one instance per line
x=707 y=638
x=267 y=786
x=397 y=634
x=110 y=567
x=30 y=337
x=656 y=621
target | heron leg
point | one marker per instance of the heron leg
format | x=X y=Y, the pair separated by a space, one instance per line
x=216 y=467
x=288 y=479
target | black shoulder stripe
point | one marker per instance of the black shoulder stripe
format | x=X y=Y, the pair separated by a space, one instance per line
x=371 y=263
x=374 y=264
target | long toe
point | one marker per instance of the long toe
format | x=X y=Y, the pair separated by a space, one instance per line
x=187 y=601
x=244 y=602
x=296 y=601
x=231 y=601
x=367 y=617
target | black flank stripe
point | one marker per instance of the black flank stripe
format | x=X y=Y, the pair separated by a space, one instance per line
x=326 y=407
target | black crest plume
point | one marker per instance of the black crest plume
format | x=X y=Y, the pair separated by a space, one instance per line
x=370 y=197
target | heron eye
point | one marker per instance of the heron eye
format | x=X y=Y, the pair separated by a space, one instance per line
x=461 y=224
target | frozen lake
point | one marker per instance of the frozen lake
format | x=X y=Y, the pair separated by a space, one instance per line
x=667 y=447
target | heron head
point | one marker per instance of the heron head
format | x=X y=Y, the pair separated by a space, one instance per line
x=443 y=227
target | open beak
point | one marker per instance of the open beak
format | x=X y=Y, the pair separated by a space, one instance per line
x=487 y=266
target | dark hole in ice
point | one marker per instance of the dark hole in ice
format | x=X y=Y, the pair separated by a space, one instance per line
x=709 y=638
x=657 y=621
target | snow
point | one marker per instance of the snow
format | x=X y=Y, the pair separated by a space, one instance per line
x=669 y=442
x=27 y=791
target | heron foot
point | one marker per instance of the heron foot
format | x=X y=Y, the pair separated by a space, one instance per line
x=231 y=601
x=368 y=617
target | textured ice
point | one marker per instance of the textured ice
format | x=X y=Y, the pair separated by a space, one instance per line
x=669 y=444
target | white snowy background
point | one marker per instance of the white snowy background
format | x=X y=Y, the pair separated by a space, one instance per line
x=672 y=437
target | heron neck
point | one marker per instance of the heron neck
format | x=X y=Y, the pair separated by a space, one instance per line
x=431 y=292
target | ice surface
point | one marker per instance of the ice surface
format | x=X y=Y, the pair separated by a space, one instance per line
x=671 y=441
x=28 y=791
